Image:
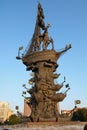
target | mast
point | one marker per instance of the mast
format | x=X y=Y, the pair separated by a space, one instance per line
x=37 y=31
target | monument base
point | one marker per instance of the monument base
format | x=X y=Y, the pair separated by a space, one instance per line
x=48 y=119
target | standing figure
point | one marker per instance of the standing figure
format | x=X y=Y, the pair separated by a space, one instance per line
x=46 y=39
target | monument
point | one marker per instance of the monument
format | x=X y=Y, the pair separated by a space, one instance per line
x=42 y=61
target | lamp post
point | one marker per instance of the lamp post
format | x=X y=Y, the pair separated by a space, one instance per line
x=18 y=57
x=17 y=108
x=77 y=102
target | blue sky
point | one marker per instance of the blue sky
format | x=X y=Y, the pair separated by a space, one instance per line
x=68 y=19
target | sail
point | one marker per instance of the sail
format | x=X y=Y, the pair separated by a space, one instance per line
x=37 y=31
x=56 y=87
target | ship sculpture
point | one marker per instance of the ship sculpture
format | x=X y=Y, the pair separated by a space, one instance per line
x=42 y=61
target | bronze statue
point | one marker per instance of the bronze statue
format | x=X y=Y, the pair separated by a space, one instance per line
x=45 y=39
x=43 y=63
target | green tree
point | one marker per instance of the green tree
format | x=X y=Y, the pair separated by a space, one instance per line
x=13 y=119
x=80 y=115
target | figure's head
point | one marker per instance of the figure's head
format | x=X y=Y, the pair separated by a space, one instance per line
x=48 y=25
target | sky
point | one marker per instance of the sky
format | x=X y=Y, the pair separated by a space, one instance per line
x=68 y=19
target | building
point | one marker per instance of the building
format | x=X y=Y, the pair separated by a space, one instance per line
x=27 y=109
x=5 y=111
x=70 y=112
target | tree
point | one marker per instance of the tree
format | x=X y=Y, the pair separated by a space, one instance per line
x=13 y=119
x=80 y=115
